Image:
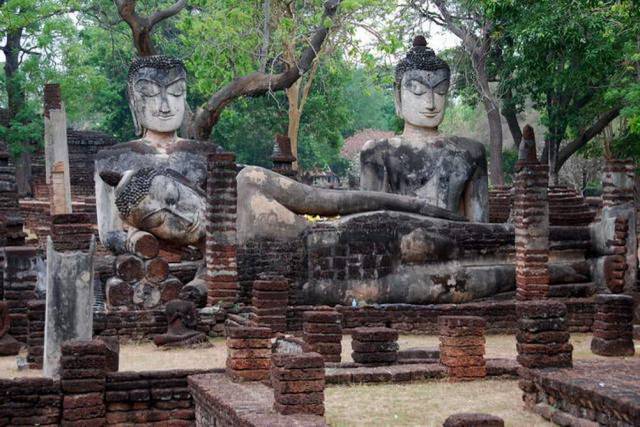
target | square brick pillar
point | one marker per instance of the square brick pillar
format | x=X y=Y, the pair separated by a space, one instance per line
x=543 y=337
x=83 y=378
x=221 y=241
x=613 y=327
x=72 y=232
x=462 y=347
x=35 y=339
x=374 y=346
x=531 y=219
x=269 y=301
x=20 y=278
x=298 y=381
x=322 y=330
x=248 y=353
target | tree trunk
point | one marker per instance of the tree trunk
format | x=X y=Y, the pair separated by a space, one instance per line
x=15 y=91
x=509 y=113
x=496 y=174
x=293 y=95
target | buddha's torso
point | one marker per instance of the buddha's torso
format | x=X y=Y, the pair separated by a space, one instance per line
x=187 y=157
x=437 y=171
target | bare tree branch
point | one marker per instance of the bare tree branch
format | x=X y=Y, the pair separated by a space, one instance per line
x=259 y=83
x=587 y=135
x=142 y=26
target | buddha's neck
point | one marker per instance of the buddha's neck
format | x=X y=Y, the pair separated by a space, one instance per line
x=160 y=140
x=419 y=134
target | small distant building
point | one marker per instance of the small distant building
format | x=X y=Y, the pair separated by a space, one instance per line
x=353 y=145
x=322 y=178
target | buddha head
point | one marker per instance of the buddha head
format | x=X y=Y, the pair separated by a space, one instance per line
x=157 y=89
x=421 y=86
x=161 y=202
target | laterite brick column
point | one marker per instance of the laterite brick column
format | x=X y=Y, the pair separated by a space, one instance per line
x=83 y=378
x=374 y=346
x=298 y=382
x=35 y=340
x=613 y=327
x=543 y=338
x=221 y=242
x=20 y=278
x=72 y=232
x=248 y=353
x=462 y=347
x=531 y=219
x=270 y=296
x=618 y=178
x=322 y=330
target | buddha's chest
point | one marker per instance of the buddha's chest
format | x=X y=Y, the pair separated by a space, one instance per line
x=438 y=173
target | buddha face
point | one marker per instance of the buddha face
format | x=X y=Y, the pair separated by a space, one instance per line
x=158 y=98
x=165 y=205
x=422 y=97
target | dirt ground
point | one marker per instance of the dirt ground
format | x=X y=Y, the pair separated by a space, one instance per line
x=145 y=356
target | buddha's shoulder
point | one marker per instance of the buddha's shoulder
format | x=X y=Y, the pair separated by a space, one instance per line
x=381 y=144
x=474 y=148
x=132 y=147
x=195 y=146
x=139 y=147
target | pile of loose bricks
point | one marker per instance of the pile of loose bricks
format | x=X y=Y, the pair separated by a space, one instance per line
x=83 y=378
x=462 y=347
x=221 y=248
x=322 y=330
x=613 y=326
x=248 y=353
x=270 y=296
x=374 y=346
x=298 y=382
x=543 y=339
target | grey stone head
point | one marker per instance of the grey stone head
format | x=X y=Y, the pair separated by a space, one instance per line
x=421 y=85
x=157 y=90
x=162 y=202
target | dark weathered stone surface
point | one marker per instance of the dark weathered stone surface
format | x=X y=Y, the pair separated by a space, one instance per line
x=182 y=319
x=473 y=420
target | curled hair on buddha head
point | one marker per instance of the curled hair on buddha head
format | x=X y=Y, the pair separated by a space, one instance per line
x=136 y=187
x=420 y=57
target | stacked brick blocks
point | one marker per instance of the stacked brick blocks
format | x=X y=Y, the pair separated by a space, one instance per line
x=298 y=381
x=35 y=340
x=83 y=378
x=462 y=347
x=374 y=346
x=20 y=278
x=221 y=247
x=248 y=353
x=322 y=330
x=269 y=301
x=613 y=326
x=72 y=232
x=531 y=213
x=543 y=339
x=473 y=420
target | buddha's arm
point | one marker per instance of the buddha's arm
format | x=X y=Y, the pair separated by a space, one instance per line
x=476 y=197
x=372 y=171
x=110 y=226
x=303 y=199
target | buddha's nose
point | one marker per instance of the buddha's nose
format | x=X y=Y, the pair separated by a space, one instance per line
x=165 y=108
x=430 y=103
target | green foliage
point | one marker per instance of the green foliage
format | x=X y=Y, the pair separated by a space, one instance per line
x=24 y=129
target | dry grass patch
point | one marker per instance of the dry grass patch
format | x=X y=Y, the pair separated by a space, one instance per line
x=425 y=404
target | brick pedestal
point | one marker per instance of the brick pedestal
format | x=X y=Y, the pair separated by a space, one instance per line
x=462 y=347
x=374 y=346
x=269 y=302
x=35 y=339
x=613 y=326
x=543 y=339
x=298 y=382
x=322 y=330
x=221 y=244
x=20 y=278
x=248 y=353
x=72 y=232
x=618 y=182
x=83 y=377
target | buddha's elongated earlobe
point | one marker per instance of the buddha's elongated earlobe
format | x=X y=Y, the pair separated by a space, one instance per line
x=398 y=101
x=136 y=123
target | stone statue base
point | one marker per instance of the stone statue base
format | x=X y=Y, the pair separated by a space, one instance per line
x=9 y=346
